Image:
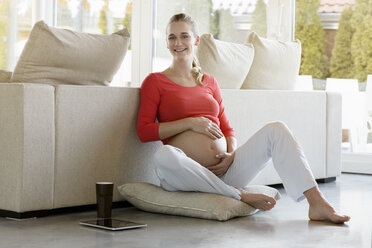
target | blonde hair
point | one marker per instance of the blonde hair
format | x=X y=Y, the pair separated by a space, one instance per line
x=196 y=69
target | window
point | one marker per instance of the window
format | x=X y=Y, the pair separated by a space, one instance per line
x=92 y=16
x=336 y=43
x=227 y=20
x=99 y=17
x=15 y=27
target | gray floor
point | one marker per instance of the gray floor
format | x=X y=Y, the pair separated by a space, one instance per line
x=284 y=226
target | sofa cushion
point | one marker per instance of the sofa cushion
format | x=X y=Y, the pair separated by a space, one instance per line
x=5 y=76
x=151 y=198
x=228 y=62
x=60 y=56
x=275 y=65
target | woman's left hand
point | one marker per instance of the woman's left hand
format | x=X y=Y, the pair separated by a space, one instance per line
x=221 y=168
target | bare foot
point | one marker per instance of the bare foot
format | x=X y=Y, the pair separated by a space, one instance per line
x=325 y=212
x=320 y=209
x=259 y=201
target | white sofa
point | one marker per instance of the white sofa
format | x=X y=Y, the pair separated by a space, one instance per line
x=56 y=142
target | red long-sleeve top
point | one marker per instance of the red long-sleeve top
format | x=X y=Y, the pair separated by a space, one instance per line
x=164 y=100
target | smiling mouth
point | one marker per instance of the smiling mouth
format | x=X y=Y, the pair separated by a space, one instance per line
x=180 y=50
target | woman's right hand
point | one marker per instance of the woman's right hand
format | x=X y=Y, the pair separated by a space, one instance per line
x=205 y=126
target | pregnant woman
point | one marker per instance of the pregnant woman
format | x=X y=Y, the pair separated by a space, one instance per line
x=200 y=150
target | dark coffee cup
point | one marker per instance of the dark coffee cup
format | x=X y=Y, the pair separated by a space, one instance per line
x=104 y=199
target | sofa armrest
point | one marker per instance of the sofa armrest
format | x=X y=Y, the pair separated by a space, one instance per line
x=334 y=133
x=26 y=146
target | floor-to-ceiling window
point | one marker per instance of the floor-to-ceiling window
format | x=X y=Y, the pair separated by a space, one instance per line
x=99 y=17
x=336 y=38
x=226 y=20
x=15 y=26
x=93 y=16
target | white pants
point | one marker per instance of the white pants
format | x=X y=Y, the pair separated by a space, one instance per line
x=177 y=172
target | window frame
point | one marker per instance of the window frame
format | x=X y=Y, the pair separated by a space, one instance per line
x=142 y=39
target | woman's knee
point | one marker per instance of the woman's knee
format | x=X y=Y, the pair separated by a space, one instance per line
x=165 y=157
x=278 y=128
x=162 y=153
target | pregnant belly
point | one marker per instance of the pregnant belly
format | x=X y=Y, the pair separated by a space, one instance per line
x=199 y=147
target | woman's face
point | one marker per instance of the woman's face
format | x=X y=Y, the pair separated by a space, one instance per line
x=181 y=40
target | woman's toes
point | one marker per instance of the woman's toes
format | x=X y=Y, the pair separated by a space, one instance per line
x=267 y=202
x=327 y=213
x=270 y=202
x=259 y=201
x=336 y=218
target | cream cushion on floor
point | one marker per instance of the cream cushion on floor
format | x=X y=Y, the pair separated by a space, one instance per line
x=60 y=56
x=153 y=198
x=275 y=65
x=228 y=62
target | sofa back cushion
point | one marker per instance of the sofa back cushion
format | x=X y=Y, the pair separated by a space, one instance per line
x=228 y=62
x=275 y=65
x=5 y=76
x=60 y=56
